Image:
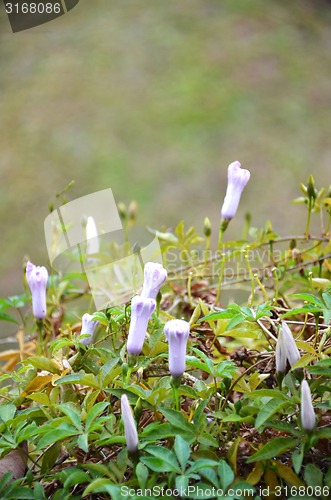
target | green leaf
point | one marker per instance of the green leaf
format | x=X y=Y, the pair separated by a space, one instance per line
x=76 y=477
x=327 y=298
x=204 y=357
x=226 y=369
x=180 y=424
x=313 y=475
x=94 y=412
x=82 y=442
x=60 y=433
x=197 y=363
x=103 y=484
x=273 y=406
x=271 y=393
x=7 y=412
x=105 y=374
x=142 y=475
x=166 y=456
x=71 y=411
x=50 y=456
x=156 y=464
x=78 y=378
x=43 y=364
x=182 y=450
x=6 y=317
x=272 y=449
x=236 y=320
x=202 y=463
x=312 y=299
x=226 y=474
x=156 y=431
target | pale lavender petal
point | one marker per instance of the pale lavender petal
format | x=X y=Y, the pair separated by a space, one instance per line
x=37 y=277
x=308 y=418
x=130 y=429
x=141 y=311
x=290 y=348
x=154 y=277
x=237 y=180
x=88 y=328
x=281 y=358
x=177 y=332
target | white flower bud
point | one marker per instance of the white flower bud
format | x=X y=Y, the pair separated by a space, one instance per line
x=130 y=429
x=308 y=418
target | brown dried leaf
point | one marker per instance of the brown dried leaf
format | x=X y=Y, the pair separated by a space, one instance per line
x=15 y=462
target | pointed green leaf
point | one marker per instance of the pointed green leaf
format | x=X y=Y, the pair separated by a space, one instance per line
x=272 y=449
x=182 y=450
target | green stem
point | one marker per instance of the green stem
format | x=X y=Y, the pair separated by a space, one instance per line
x=251 y=275
x=308 y=218
x=216 y=398
x=40 y=326
x=175 y=383
x=220 y=279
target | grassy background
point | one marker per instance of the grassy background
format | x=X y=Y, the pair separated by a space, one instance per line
x=154 y=99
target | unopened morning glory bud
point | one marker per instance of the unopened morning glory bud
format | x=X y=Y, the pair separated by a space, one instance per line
x=88 y=328
x=154 y=277
x=308 y=418
x=92 y=240
x=37 y=277
x=141 y=310
x=177 y=332
x=281 y=358
x=130 y=429
x=237 y=180
x=288 y=345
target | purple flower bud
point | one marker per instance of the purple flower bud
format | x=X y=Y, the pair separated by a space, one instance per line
x=308 y=418
x=88 y=328
x=37 y=277
x=130 y=429
x=177 y=332
x=288 y=345
x=154 y=277
x=141 y=310
x=237 y=180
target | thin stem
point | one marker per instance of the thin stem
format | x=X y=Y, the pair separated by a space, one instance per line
x=220 y=238
x=262 y=287
x=251 y=276
x=220 y=279
x=189 y=291
x=40 y=326
x=276 y=281
x=308 y=217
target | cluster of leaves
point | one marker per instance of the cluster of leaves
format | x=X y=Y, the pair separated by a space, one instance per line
x=238 y=429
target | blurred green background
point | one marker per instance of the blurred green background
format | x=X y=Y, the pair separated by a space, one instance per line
x=154 y=99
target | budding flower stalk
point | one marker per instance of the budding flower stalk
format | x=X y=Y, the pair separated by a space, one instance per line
x=130 y=429
x=308 y=418
x=177 y=332
x=237 y=180
x=37 y=277
x=141 y=311
x=88 y=328
x=154 y=277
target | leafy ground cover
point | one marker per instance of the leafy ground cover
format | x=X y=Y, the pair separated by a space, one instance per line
x=237 y=426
